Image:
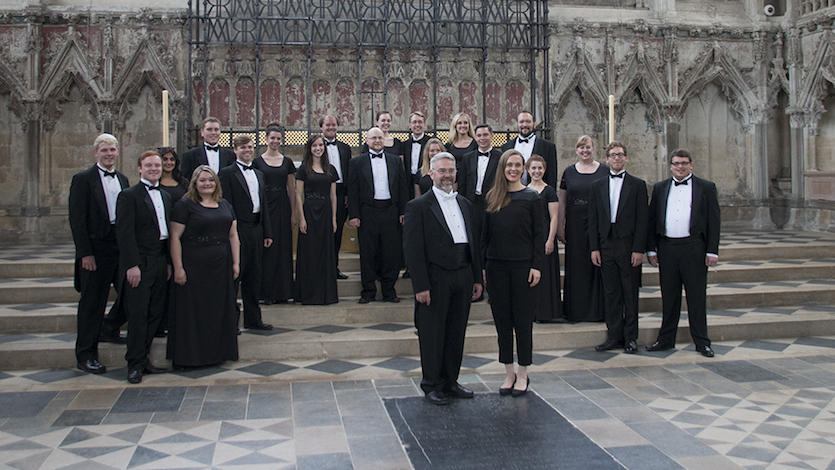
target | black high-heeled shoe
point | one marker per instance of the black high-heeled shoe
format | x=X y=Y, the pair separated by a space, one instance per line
x=519 y=393
x=508 y=391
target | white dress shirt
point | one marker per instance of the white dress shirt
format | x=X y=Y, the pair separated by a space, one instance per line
x=112 y=187
x=483 y=160
x=333 y=157
x=526 y=149
x=213 y=157
x=416 y=153
x=159 y=207
x=452 y=214
x=679 y=206
x=615 y=187
x=380 y=176
x=252 y=184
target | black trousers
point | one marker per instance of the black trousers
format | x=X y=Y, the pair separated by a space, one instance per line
x=143 y=305
x=620 y=288
x=512 y=302
x=682 y=263
x=251 y=264
x=380 y=249
x=94 y=287
x=442 y=326
x=341 y=217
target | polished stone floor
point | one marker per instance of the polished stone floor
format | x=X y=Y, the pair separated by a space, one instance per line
x=758 y=404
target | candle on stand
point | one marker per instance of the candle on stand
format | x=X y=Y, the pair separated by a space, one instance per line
x=611 y=118
x=165 y=118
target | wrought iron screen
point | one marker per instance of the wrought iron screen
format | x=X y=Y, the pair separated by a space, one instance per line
x=508 y=25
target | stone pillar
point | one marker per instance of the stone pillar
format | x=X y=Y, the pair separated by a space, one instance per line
x=798 y=155
x=31 y=202
x=759 y=170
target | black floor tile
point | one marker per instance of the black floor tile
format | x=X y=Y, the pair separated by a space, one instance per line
x=329 y=329
x=765 y=345
x=267 y=369
x=11 y=338
x=145 y=399
x=223 y=410
x=591 y=355
x=390 y=327
x=31 y=307
x=474 y=362
x=80 y=418
x=741 y=371
x=819 y=342
x=24 y=404
x=403 y=364
x=49 y=376
x=334 y=366
x=341 y=461
x=199 y=373
x=269 y=406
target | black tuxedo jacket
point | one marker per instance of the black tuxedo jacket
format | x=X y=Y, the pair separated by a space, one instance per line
x=361 y=183
x=89 y=220
x=705 y=217
x=406 y=151
x=344 y=158
x=428 y=240
x=194 y=157
x=468 y=173
x=632 y=216
x=137 y=231
x=236 y=191
x=548 y=151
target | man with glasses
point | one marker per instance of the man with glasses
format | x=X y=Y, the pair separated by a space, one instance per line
x=683 y=239
x=617 y=237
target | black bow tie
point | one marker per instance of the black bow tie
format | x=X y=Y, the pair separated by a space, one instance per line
x=619 y=175
x=521 y=140
x=679 y=183
x=213 y=148
x=152 y=188
x=330 y=143
x=245 y=167
x=483 y=154
x=111 y=174
x=376 y=155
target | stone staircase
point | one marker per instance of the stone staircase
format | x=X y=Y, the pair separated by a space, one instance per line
x=767 y=285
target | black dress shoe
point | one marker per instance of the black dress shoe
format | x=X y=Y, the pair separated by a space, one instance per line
x=116 y=338
x=151 y=369
x=135 y=376
x=609 y=345
x=656 y=346
x=393 y=300
x=92 y=366
x=707 y=351
x=458 y=391
x=365 y=300
x=519 y=393
x=339 y=274
x=436 y=398
x=630 y=348
x=259 y=326
x=507 y=391
x=406 y=274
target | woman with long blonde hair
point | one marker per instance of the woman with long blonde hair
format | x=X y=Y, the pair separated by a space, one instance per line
x=461 y=137
x=513 y=247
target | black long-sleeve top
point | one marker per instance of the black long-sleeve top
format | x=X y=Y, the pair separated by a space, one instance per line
x=515 y=233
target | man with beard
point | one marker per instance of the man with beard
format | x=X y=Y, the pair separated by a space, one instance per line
x=527 y=143
x=443 y=255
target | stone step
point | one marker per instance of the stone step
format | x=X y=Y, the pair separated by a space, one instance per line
x=60 y=317
x=60 y=290
x=43 y=351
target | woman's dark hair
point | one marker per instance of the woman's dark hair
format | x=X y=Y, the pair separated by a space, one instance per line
x=307 y=160
x=176 y=173
x=274 y=127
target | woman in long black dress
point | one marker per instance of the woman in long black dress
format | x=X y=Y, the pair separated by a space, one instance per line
x=461 y=138
x=391 y=144
x=277 y=271
x=583 y=286
x=433 y=147
x=512 y=244
x=175 y=184
x=315 y=253
x=205 y=253
x=548 y=301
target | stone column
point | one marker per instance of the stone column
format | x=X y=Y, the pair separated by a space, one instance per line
x=798 y=154
x=759 y=170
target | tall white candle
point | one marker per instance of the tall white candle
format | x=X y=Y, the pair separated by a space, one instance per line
x=165 y=118
x=611 y=118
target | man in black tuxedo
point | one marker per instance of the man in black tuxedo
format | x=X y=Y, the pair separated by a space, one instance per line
x=412 y=150
x=243 y=186
x=339 y=154
x=142 y=215
x=618 y=216
x=478 y=173
x=684 y=222
x=441 y=249
x=527 y=143
x=377 y=197
x=210 y=153
x=92 y=214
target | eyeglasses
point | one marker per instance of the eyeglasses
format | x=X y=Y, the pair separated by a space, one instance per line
x=444 y=171
x=679 y=163
x=617 y=155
